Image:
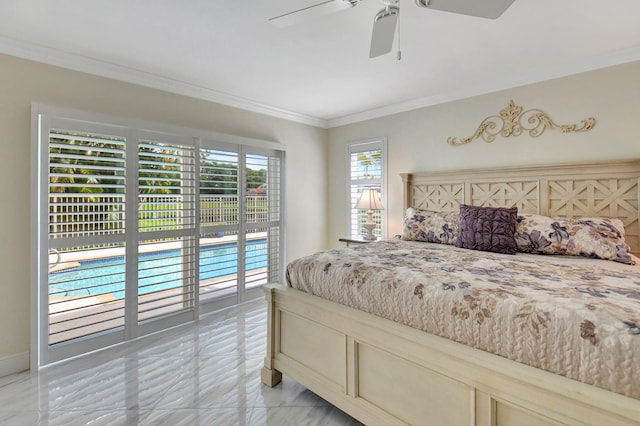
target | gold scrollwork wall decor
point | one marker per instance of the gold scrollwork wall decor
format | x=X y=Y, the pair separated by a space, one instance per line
x=512 y=121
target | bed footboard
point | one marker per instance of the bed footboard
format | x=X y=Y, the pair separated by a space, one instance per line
x=381 y=372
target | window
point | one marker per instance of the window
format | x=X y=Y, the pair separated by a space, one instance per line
x=250 y=235
x=141 y=230
x=166 y=261
x=86 y=218
x=366 y=169
x=219 y=221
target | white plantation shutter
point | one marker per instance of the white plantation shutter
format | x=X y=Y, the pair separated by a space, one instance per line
x=86 y=186
x=366 y=168
x=240 y=227
x=218 y=188
x=219 y=224
x=262 y=256
x=167 y=224
x=85 y=165
x=139 y=230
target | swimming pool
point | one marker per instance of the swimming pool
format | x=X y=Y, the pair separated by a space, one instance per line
x=104 y=276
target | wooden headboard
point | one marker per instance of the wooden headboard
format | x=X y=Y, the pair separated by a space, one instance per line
x=609 y=189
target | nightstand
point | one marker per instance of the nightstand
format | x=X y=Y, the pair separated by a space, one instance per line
x=354 y=240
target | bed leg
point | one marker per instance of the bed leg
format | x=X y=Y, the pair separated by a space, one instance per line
x=270 y=377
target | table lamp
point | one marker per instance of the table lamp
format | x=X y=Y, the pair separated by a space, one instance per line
x=369 y=201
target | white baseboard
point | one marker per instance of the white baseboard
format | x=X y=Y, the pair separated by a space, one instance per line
x=13 y=364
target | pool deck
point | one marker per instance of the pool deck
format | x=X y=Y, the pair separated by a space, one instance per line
x=72 y=317
x=68 y=316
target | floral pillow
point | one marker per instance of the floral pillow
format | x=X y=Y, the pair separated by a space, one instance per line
x=430 y=226
x=595 y=237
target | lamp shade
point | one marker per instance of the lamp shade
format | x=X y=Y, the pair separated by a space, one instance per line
x=369 y=200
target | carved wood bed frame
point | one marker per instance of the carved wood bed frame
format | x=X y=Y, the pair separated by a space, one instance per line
x=381 y=372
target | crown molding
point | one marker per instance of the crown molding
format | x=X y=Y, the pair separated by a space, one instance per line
x=129 y=75
x=104 y=69
x=501 y=83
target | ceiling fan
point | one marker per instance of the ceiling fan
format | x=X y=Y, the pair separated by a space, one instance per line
x=385 y=21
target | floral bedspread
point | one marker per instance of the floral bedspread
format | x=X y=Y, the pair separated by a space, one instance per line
x=576 y=317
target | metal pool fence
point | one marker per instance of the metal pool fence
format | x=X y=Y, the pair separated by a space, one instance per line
x=74 y=215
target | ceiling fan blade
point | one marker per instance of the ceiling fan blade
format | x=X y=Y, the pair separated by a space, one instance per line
x=309 y=13
x=384 y=29
x=491 y=9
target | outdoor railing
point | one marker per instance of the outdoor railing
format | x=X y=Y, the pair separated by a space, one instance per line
x=73 y=215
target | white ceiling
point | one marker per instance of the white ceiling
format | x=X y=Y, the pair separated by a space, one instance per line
x=319 y=72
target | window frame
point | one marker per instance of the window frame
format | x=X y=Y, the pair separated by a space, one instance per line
x=133 y=130
x=360 y=146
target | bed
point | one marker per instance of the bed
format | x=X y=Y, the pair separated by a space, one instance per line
x=565 y=353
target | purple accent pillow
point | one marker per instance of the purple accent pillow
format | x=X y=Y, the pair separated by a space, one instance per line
x=487 y=229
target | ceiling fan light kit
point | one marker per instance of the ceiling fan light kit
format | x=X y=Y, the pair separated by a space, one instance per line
x=385 y=22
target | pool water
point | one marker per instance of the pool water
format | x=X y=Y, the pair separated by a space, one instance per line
x=156 y=271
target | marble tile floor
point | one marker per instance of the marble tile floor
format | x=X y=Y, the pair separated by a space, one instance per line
x=206 y=373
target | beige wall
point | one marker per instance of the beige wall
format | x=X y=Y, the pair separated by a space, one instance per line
x=315 y=175
x=23 y=82
x=417 y=139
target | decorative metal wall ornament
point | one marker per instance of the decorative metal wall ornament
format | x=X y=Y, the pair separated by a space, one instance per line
x=512 y=121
